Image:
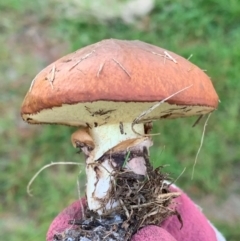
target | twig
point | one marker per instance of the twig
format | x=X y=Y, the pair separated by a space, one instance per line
x=142 y=205
x=198 y=119
x=52 y=76
x=170 y=57
x=136 y=120
x=124 y=207
x=100 y=69
x=43 y=168
x=166 y=55
x=201 y=143
x=167 y=196
x=190 y=57
x=177 y=177
x=79 y=61
x=80 y=200
x=121 y=66
x=99 y=164
x=31 y=86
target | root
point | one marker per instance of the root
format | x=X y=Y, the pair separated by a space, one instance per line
x=45 y=167
x=200 y=147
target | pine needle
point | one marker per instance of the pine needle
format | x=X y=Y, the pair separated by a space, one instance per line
x=200 y=147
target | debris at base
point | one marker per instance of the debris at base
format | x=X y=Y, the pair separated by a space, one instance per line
x=143 y=201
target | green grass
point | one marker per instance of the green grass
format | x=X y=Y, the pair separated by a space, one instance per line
x=210 y=30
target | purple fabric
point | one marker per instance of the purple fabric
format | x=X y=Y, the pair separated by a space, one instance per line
x=195 y=225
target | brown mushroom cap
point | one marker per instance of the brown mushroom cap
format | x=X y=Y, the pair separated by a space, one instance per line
x=115 y=81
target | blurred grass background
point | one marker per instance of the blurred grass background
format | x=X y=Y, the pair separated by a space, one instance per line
x=35 y=33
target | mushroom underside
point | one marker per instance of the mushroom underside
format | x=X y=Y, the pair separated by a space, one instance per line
x=99 y=113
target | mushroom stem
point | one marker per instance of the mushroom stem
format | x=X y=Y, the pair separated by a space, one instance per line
x=107 y=136
x=116 y=146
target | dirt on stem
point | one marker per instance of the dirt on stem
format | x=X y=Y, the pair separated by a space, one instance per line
x=143 y=200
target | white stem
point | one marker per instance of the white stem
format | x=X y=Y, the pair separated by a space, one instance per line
x=107 y=136
x=99 y=174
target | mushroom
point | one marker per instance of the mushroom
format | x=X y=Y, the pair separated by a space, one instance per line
x=114 y=90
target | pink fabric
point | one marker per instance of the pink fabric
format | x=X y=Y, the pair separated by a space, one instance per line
x=60 y=223
x=195 y=225
x=153 y=233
